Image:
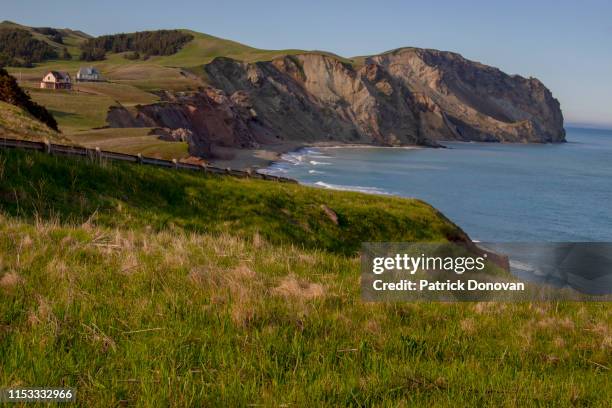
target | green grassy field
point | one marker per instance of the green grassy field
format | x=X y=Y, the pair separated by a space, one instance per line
x=73 y=111
x=146 y=197
x=131 y=141
x=77 y=113
x=85 y=107
x=150 y=287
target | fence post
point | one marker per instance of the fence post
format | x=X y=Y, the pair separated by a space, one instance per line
x=47 y=146
x=249 y=173
x=139 y=158
x=204 y=167
x=175 y=162
x=228 y=170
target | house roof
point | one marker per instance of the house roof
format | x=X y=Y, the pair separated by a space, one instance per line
x=59 y=75
x=88 y=71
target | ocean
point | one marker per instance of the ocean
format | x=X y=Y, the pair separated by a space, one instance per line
x=495 y=192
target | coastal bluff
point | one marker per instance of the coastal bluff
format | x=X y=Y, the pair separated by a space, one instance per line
x=408 y=96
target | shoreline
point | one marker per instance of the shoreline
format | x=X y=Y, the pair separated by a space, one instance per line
x=263 y=157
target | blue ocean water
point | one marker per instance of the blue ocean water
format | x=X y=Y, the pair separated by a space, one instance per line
x=495 y=192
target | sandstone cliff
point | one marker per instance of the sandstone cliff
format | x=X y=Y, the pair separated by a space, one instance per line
x=406 y=96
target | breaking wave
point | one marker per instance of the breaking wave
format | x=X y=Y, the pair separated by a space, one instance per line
x=361 y=189
x=304 y=156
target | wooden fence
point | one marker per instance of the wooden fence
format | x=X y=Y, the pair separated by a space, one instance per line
x=96 y=153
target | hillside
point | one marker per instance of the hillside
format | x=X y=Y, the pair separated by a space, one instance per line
x=20 y=116
x=59 y=40
x=70 y=38
x=148 y=287
x=17 y=123
x=233 y=97
x=143 y=197
x=131 y=82
x=83 y=112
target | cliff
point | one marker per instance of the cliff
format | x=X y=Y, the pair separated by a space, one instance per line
x=406 y=96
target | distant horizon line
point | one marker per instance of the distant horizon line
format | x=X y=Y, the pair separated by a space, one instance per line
x=586 y=125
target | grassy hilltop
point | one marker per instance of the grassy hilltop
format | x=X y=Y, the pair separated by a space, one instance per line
x=154 y=287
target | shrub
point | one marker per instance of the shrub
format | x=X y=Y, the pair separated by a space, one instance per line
x=57 y=38
x=93 y=54
x=132 y=55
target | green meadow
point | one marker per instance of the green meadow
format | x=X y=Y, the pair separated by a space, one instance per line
x=141 y=286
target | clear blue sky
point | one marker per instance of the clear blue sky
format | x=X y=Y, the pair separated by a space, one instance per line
x=566 y=44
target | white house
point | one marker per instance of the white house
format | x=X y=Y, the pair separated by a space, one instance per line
x=88 y=74
x=56 y=80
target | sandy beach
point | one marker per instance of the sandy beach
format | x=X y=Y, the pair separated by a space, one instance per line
x=262 y=157
x=254 y=159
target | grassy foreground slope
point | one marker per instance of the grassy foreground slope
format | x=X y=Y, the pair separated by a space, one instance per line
x=153 y=287
x=128 y=196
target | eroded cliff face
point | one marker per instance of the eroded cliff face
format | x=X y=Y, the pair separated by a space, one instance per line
x=475 y=101
x=210 y=117
x=319 y=98
x=408 y=96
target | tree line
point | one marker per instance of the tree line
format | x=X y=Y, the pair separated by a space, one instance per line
x=145 y=43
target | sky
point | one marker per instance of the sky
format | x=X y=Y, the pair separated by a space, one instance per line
x=565 y=44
